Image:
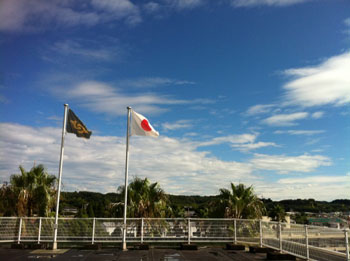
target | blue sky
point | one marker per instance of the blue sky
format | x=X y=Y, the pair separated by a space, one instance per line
x=248 y=91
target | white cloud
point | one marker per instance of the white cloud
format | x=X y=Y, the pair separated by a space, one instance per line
x=180 y=124
x=253 y=146
x=285 y=119
x=149 y=82
x=320 y=191
x=347 y=24
x=151 y=7
x=347 y=21
x=300 y=132
x=233 y=139
x=260 y=109
x=191 y=134
x=253 y=3
x=327 y=188
x=317 y=115
x=97 y=164
x=242 y=142
x=103 y=98
x=116 y=10
x=316 y=180
x=23 y=15
x=324 y=84
x=184 y=4
x=76 y=48
x=286 y=164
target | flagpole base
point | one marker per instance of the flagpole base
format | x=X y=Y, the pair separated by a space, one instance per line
x=124 y=246
x=54 y=246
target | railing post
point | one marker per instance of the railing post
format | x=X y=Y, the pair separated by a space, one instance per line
x=346 y=234
x=307 y=243
x=189 y=230
x=93 y=231
x=280 y=235
x=39 y=232
x=141 y=230
x=235 y=228
x=261 y=234
x=19 y=231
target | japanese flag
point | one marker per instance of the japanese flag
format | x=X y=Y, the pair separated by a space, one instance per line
x=141 y=126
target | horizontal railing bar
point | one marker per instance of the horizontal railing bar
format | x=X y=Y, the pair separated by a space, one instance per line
x=174 y=230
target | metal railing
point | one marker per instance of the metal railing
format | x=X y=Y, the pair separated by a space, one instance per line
x=309 y=242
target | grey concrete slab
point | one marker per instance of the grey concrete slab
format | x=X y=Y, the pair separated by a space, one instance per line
x=202 y=254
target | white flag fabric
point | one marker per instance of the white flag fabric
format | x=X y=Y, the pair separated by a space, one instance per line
x=141 y=126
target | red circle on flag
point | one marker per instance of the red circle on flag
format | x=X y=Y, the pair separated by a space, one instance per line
x=145 y=125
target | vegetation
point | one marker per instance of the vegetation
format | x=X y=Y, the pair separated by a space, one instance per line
x=277 y=213
x=146 y=199
x=33 y=193
x=239 y=202
x=310 y=205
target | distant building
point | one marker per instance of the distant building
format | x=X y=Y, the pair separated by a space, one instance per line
x=328 y=222
x=68 y=211
x=189 y=212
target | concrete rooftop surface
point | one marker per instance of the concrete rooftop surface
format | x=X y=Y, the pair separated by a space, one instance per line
x=202 y=254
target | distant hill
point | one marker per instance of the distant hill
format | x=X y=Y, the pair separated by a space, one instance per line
x=98 y=204
x=310 y=205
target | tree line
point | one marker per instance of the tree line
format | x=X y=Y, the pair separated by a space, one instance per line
x=33 y=193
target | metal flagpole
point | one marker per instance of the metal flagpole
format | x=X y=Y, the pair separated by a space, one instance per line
x=54 y=246
x=126 y=177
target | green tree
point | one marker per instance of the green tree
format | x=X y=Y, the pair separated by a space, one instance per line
x=277 y=213
x=34 y=190
x=90 y=210
x=239 y=202
x=7 y=200
x=146 y=199
x=301 y=218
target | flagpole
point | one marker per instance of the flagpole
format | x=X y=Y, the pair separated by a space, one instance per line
x=54 y=246
x=126 y=177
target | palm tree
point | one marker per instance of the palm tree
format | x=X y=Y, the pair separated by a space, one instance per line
x=239 y=202
x=7 y=200
x=278 y=213
x=35 y=191
x=146 y=199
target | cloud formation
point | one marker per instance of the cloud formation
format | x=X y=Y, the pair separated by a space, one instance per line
x=153 y=82
x=300 y=132
x=34 y=15
x=324 y=84
x=254 y=3
x=285 y=119
x=347 y=24
x=243 y=142
x=286 y=164
x=38 y=15
x=325 y=187
x=74 y=48
x=260 y=109
x=316 y=180
x=336 y=189
x=180 y=124
x=103 y=98
x=185 y=4
x=98 y=164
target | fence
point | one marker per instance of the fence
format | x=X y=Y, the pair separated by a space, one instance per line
x=309 y=242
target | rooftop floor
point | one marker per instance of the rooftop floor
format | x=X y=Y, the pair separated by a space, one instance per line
x=203 y=254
